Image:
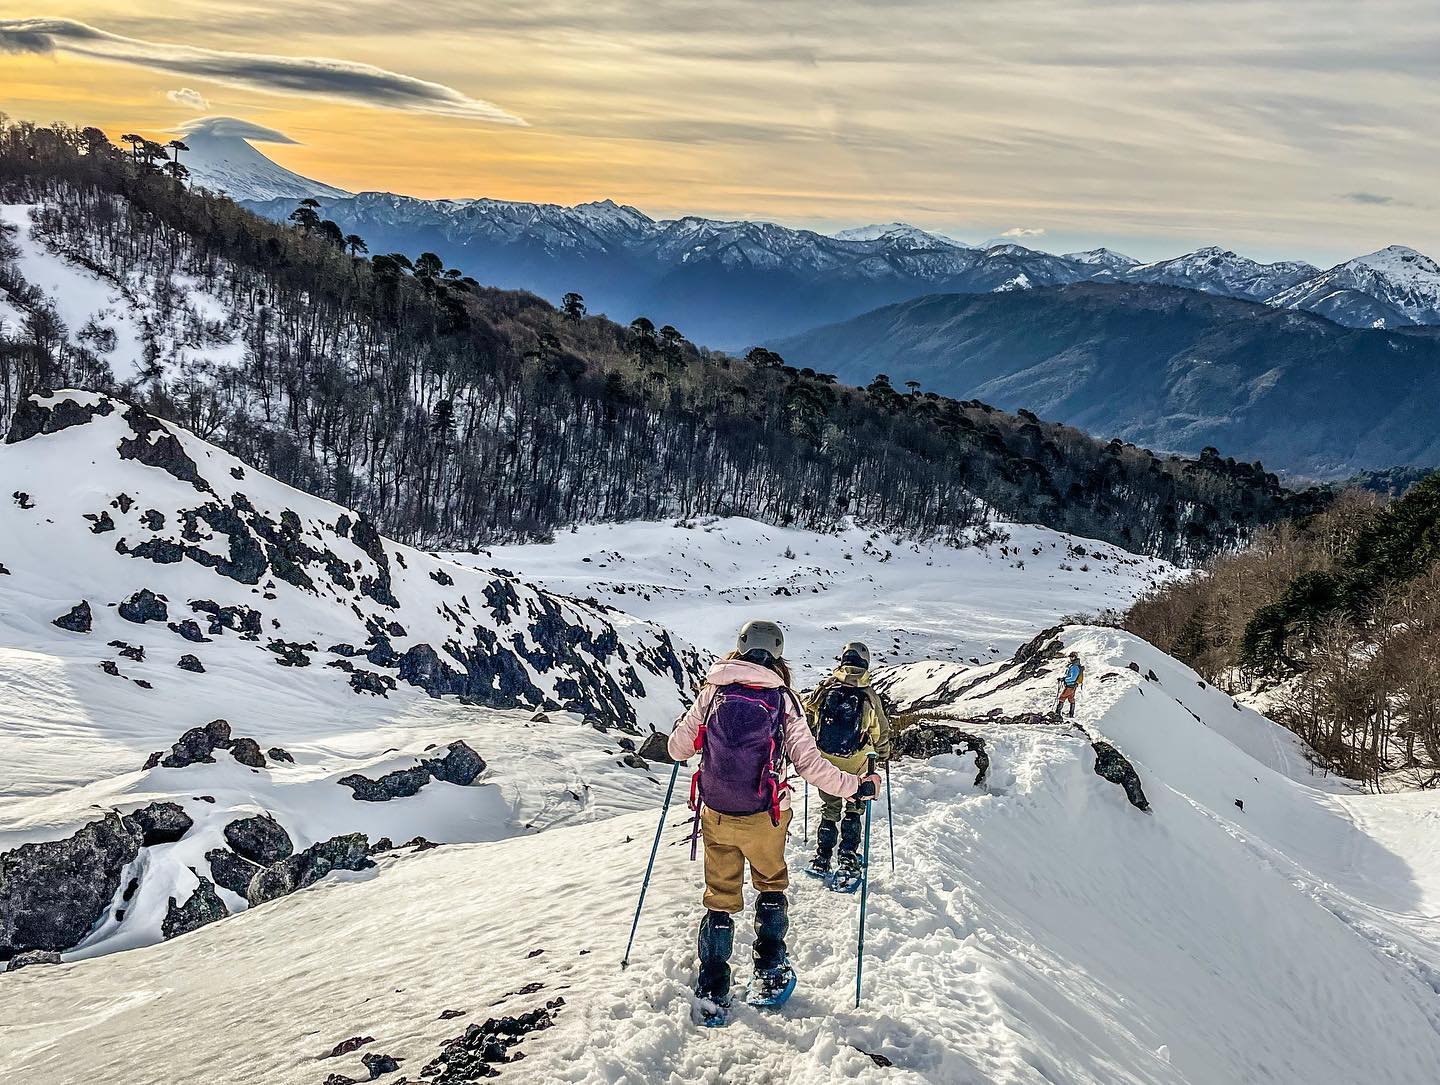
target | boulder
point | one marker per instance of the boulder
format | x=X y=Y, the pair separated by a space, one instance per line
x=54 y=891
x=247 y=752
x=158 y=823
x=190 y=630
x=1112 y=765
x=259 y=838
x=33 y=956
x=203 y=907
x=399 y=784
x=77 y=619
x=230 y=871
x=348 y=852
x=191 y=663
x=460 y=765
x=144 y=606
x=928 y=739
x=656 y=748
x=275 y=753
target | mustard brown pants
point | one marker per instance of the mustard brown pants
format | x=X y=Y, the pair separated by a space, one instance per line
x=733 y=840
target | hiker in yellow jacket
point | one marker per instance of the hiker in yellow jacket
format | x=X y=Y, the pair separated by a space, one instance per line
x=849 y=723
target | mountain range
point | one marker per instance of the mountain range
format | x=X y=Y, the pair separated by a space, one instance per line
x=734 y=283
x=1162 y=366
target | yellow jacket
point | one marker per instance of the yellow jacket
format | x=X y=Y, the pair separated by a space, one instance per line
x=875 y=727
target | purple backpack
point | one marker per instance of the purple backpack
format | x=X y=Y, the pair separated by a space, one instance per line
x=742 y=750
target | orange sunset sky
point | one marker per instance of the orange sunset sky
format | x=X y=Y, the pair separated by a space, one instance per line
x=1279 y=129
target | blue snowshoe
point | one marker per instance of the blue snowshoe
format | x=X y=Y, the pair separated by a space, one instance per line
x=848 y=875
x=771 y=987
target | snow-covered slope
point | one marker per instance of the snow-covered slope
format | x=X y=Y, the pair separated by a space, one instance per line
x=1390 y=288
x=222 y=159
x=189 y=588
x=909 y=599
x=1038 y=928
x=1102 y=258
x=128 y=323
x=899 y=234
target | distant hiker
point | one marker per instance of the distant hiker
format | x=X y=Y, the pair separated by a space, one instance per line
x=1070 y=682
x=849 y=723
x=747 y=725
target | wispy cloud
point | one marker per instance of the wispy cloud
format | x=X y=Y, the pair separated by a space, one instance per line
x=318 y=77
x=190 y=99
x=1374 y=199
x=1024 y=231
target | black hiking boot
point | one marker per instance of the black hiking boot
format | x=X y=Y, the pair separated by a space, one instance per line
x=772 y=922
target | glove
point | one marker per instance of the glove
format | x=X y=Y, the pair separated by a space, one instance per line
x=869 y=787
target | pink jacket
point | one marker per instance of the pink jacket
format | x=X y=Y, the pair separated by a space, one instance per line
x=800 y=748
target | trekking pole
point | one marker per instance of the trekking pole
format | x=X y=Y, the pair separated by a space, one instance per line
x=864 y=891
x=890 y=815
x=805 y=827
x=674 y=773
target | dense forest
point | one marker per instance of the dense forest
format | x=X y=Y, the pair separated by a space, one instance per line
x=1335 y=620
x=455 y=414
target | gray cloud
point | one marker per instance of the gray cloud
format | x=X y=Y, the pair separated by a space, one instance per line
x=232 y=128
x=317 y=77
x=190 y=99
x=1371 y=198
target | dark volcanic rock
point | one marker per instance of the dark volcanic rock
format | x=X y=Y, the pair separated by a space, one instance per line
x=291 y=654
x=77 y=619
x=23 y=499
x=460 y=765
x=393 y=785
x=259 y=838
x=144 y=606
x=191 y=663
x=129 y=651
x=153 y=520
x=159 y=823
x=33 y=956
x=476 y=1052
x=230 y=871
x=53 y=892
x=239 y=619
x=349 y=852
x=1113 y=766
x=379 y=1064
x=190 y=630
x=164 y=452
x=275 y=753
x=344 y=1047
x=655 y=748
x=32 y=417
x=363 y=681
x=100 y=522
x=218 y=732
x=203 y=907
x=247 y=752
x=926 y=739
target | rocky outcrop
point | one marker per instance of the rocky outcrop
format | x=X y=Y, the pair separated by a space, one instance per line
x=459 y=765
x=656 y=748
x=36 y=415
x=1112 y=765
x=53 y=892
x=230 y=871
x=305 y=868
x=155 y=446
x=191 y=663
x=260 y=839
x=198 y=746
x=927 y=739
x=77 y=619
x=202 y=907
x=144 y=606
x=159 y=823
x=247 y=752
x=475 y=1053
x=33 y=956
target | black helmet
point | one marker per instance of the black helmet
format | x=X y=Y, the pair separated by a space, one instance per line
x=855 y=654
x=760 y=637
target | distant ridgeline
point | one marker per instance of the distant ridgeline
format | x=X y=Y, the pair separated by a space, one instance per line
x=452 y=414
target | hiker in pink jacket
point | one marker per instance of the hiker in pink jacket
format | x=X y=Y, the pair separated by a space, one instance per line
x=749 y=728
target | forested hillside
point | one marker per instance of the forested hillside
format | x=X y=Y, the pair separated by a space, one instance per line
x=454 y=414
x=1335 y=621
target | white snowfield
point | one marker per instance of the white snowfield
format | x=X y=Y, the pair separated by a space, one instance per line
x=1037 y=928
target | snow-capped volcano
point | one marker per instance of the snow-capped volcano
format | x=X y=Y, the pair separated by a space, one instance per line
x=1389 y=288
x=1219 y=271
x=1102 y=258
x=221 y=157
